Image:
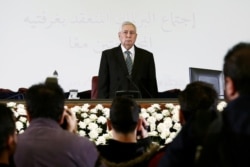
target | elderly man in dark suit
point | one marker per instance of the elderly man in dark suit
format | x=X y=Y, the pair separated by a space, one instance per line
x=114 y=73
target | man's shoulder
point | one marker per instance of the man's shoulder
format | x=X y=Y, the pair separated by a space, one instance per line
x=59 y=135
x=140 y=157
x=117 y=48
x=144 y=51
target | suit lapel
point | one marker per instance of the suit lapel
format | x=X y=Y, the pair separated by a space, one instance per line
x=137 y=61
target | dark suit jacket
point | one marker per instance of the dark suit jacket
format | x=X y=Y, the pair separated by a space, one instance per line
x=227 y=143
x=113 y=73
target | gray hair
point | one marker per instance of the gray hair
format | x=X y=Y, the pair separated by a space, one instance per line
x=127 y=23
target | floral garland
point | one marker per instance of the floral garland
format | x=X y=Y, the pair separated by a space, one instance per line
x=163 y=121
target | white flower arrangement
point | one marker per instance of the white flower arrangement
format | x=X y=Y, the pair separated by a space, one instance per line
x=221 y=106
x=163 y=121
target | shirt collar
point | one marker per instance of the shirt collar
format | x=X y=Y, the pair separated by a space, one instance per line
x=132 y=50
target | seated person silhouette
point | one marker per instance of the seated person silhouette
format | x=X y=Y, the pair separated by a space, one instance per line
x=125 y=149
x=198 y=108
x=8 y=138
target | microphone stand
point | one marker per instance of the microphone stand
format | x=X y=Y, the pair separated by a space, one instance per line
x=134 y=85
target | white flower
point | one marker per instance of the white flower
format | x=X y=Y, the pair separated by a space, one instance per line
x=158 y=116
x=169 y=105
x=176 y=116
x=143 y=110
x=156 y=106
x=168 y=122
x=23 y=119
x=153 y=114
x=107 y=135
x=93 y=110
x=164 y=134
x=99 y=130
x=165 y=113
x=177 y=126
x=175 y=110
x=100 y=140
x=82 y=133
x=19 y=125
x=99 y=107
x=172 y=135
x=92 y=126
x=84 y=115
x=82 y=124
x=161 y=127
x=152 y=133
x=93 y=117
x=168 y=140
x=85 y=108
x=93 y=134
x=152 y=126
x=21 y=106
x=221 y=106
x=151 y=120
x=21 y=111
x=11 y=104
x=144 y=115
x=102 y=120
x=15 y=113
x=151 y=109
x=21 y=131
x=164 y=130
x=75 y=109
x=87 y=121
x=106 y=112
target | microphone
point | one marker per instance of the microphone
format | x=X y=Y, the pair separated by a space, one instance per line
x=134 y=85
x=55 y=74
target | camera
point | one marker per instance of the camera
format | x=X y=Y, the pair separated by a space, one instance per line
x=147 y=128
x=64 y=125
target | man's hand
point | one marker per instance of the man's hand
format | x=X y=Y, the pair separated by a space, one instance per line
x=69 y=121
x=142 y=130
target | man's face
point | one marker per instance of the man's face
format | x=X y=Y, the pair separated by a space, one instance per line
x=230 y=91
x=127 y=36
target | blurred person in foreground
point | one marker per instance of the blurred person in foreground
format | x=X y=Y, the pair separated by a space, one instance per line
x=8 y=139
x=114 y=74
x=228 y=141
x=45 y=142
x=125 y=149
x=198 y=108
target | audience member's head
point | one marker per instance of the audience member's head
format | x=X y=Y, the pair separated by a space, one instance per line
x=124 y=115
x=198 y=104
x=7 y=134
x=48 y=143
x=45 y=100
x=237 y=71
x=130 y=145
x=196 y=96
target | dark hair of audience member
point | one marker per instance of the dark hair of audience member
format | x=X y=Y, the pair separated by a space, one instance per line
x=197 y=96
x=236 y=68
x=199 y=107
x=121 y=121
x=45 y=100
x=7 y=126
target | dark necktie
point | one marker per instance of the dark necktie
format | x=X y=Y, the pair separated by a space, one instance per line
x=129 y=62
